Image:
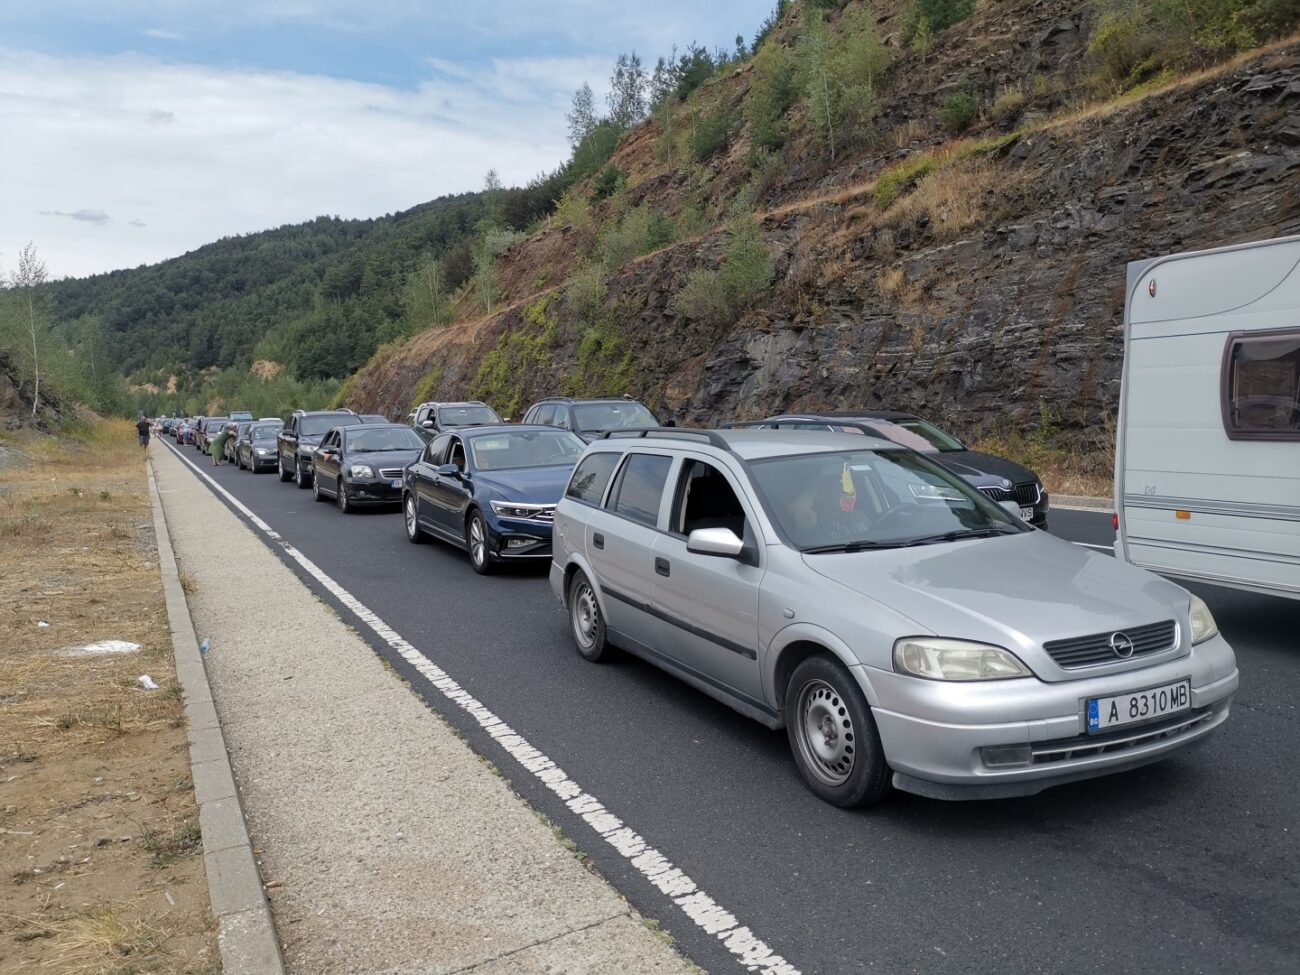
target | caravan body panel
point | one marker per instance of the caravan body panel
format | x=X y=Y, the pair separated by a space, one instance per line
x=1207 y=474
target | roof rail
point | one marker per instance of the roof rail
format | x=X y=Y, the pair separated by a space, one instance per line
x=786 y=423
x=711 y=437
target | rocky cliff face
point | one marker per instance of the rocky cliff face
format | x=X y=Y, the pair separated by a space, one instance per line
x=988 y=293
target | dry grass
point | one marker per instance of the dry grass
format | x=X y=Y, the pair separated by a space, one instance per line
x=1086 y=471
x=953 y=198
x=96 y=830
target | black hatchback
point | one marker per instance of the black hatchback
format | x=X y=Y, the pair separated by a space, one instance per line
x=362 y=464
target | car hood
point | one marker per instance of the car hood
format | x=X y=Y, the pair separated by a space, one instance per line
x=1016 y=591
x=971 y=462
x=385 y=458
x=527 y=485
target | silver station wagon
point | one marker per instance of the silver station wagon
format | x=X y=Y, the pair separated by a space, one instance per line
x=904 y=629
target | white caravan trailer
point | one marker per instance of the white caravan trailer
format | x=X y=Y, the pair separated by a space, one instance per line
x=1207 y=466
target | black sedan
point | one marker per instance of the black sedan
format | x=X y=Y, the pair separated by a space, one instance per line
x=491 y=491
x=255 y=449
x=362 y=464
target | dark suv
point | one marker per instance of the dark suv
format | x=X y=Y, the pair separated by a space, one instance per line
x=995 y=477
x=297 y=442
x=431 y=419
x=591 y=418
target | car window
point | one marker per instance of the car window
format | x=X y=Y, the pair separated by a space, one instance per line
x=264 y=433
x=466 y=416
x=936 y=438
x=640 y=487
x=456 y=453
x=1261 y=386
x=705 y=499
x=561 y=418
x=887 y=497
x=542 y=414
x=370 y=439
x=515 y=449
x=437 y=450
x=596 y=417
x=591 y=477
x=315 y=426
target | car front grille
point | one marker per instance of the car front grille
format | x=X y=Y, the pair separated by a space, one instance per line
x=392 y=473
x=1089 y=651
x=1027 y=494
x=1089 y=746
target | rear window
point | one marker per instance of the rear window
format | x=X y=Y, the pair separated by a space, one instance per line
x=641 y=487
x=1261 y=385
x=318 y=426
x=591 y=477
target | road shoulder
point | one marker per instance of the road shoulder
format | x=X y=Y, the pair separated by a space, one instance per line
x=385 y=842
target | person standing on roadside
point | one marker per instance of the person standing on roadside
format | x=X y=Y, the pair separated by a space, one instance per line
x=218 y=446
x=142 y=428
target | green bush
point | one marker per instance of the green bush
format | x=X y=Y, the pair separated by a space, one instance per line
x=710 y=133
x=771 y=93
x=928 y=17
x=717 y=297
x=958 y=111
x=609 y=182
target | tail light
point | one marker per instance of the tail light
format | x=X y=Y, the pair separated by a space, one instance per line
x=1114 y=520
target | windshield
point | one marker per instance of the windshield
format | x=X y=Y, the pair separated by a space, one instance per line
x=868 y=499
x=612 y=416
x=263 y=433
x=467 y=416
x=931 y=433
x=369 y=440
x=318 y=426
x=527 y=448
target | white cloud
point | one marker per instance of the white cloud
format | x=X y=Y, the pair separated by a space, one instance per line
x=198 y=153
x=159 y=34
x=85 y=216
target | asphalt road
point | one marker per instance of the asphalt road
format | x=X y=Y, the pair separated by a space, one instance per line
x=1191 y=865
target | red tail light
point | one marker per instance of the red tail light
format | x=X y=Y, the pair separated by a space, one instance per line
x=1114 y=520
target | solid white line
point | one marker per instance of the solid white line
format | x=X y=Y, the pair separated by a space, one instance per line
x=703 y=910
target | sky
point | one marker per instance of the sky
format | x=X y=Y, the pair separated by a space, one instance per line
x=136 y=130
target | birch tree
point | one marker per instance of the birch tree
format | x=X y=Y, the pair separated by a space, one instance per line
x=30 y=275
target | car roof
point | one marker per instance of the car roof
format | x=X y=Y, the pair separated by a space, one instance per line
x=749 y=444
x=846 y=415
x=491 y=428
x=367 y=427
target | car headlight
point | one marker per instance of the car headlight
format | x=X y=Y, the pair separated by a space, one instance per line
x=263 y=452
x=936 y=658
x=360 y=470
x=1203 y=625
x=507 y=509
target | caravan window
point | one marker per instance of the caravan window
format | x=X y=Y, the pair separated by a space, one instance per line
x=1261 y=385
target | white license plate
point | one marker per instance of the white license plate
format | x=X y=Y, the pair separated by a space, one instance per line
x=1156 y=702
x=1026 y=514
x=396 y=484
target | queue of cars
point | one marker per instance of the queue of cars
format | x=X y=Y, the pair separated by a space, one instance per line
x=862 y=580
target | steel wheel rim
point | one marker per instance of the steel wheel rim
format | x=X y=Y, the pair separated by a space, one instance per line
x=477 y=544
x=585 y=613
x=825 y=733
x=342 y=496
x=410 y=517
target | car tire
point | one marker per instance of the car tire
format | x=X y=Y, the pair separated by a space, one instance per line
x=586 y=621
x=300 y=477
x=284 y=475
x=476 y=543
x=316 y=494
x=341 y=499
x=414 y=533
x=833 y=736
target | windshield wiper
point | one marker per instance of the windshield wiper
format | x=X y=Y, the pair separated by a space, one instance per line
x=962 y=534
x=859 y=546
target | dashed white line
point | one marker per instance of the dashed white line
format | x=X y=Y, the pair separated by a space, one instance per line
x=707 y=914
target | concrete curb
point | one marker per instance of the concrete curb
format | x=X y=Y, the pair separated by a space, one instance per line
x=246 y=934
x=1087 y=504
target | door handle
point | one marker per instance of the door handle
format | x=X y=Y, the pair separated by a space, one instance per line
x=662 y=567
x=598 y=540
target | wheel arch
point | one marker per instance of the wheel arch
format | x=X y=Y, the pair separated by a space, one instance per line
x=796 y=643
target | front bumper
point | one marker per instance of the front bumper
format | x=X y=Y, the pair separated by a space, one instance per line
x=933 y=731
x=519 y=539
x=362 y=491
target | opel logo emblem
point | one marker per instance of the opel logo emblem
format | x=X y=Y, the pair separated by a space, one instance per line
x=1122 y=644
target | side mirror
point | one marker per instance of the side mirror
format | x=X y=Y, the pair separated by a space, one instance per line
x=715 y=541
x=1011 y=508
x=449 y=470
x=427 y=424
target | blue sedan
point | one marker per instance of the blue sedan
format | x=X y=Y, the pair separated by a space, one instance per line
x=491 y=491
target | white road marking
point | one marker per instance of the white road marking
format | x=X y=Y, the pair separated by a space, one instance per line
x=746 y=947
